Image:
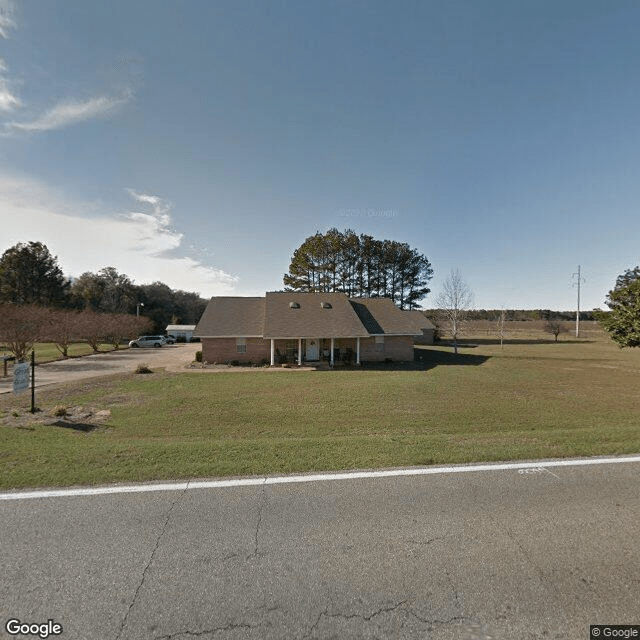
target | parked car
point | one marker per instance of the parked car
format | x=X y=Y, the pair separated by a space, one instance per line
x=169 y=339
x=147 y=341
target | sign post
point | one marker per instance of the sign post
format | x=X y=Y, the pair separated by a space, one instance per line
x=21 y=379
x=33 y=381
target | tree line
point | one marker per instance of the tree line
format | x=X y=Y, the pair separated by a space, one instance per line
x=30 y=275
x=521 y=314
x=361 y=267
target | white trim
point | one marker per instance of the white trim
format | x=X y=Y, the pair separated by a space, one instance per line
x=318 y=477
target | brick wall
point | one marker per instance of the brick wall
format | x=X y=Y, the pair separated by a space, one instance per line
x=397 y=348
x=224 y=349
x=426 y=338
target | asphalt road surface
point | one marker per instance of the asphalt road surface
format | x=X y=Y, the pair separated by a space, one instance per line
x=537 y=553
x=171 y=357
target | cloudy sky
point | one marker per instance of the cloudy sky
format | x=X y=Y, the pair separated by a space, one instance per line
x=199 y=142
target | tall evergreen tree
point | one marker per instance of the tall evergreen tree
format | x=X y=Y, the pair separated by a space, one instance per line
x=29 y=274
x=360 y=267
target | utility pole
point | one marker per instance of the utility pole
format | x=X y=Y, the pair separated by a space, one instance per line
x=578 y=282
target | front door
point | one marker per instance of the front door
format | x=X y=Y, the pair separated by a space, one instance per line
x=311 y=352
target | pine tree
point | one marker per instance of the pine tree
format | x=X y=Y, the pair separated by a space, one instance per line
x=29 y=274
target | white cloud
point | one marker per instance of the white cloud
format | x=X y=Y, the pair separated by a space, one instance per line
x=8 y=100
x=134 y=243
x=71 y=112
x=160 y=207
x=7 y=8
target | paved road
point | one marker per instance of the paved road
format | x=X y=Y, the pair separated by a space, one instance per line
x=172 y=357
x=501 y=554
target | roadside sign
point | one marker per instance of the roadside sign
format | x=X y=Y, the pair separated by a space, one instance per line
x=21 y=377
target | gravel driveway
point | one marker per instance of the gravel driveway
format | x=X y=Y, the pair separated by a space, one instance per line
x=171 y=357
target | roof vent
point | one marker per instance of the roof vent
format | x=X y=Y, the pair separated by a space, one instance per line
x=294 y=305
x=325 y=305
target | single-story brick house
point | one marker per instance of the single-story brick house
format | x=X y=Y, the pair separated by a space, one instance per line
x=307 y=327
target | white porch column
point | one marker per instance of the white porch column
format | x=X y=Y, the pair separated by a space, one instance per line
x=273 y=351
x=299 y=351
x=357 y=350
x=332 y=343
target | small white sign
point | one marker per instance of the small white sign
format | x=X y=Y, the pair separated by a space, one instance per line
x=21 y=377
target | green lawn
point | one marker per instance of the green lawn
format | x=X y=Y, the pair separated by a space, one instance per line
x=532 y=400
x=47 y=351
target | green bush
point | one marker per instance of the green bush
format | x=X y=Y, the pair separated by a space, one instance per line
x=198 y=356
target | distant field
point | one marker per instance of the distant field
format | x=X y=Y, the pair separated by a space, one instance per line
x=533 y=330
x=527 y=400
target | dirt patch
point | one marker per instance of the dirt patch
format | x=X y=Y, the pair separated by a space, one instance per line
x=77 y=418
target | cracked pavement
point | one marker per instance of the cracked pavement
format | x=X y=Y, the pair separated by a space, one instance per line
x=476 y=556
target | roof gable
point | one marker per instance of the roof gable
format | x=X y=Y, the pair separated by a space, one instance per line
x=310 y=319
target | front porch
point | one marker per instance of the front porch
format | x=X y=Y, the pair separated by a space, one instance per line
x=315 y=350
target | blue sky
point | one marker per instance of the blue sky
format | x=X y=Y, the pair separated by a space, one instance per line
x=200 y=142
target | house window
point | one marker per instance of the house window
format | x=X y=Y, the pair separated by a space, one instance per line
x=291 y=349
x=380 y=343
x=241 y=345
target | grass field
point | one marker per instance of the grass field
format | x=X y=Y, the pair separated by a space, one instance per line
x=47 y=351
x=530 y=399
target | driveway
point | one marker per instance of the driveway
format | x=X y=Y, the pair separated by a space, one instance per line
x=171 y=357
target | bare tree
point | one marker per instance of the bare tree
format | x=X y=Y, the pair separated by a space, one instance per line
x=62 y=328
x=21 y=326
x=555 y=328
x=454 y=302
x=94 y=328
x=500 y=329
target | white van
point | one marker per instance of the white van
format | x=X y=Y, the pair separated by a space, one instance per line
x=147 y=341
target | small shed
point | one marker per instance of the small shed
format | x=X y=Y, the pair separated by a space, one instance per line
x=181 y=331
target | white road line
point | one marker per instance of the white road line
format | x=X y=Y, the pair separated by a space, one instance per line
x=320 y=477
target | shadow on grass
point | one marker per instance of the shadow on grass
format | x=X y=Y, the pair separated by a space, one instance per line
x=430 y=358
x=76 y=426
x=424 y=359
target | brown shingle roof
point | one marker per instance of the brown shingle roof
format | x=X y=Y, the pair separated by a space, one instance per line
x=227 y=317
x=310 y=319
x=381 y=316
x=422 y=319
x=272 y=317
